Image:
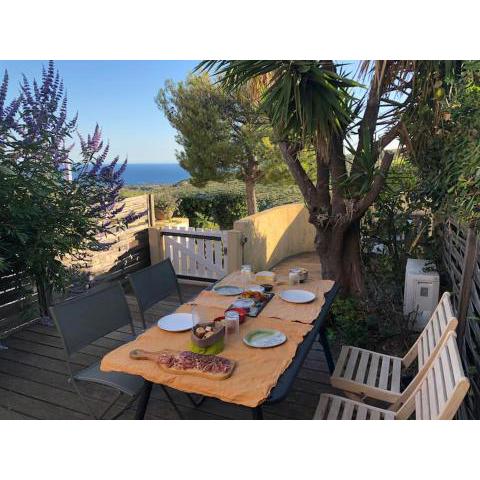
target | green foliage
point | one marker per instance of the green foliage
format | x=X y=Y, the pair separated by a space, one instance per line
x=304 y=98
x=223 y=204
x=165 y=201
x=447 y=153
x=219 y=204
x=222 y=135
x=397 y=226
x=350 y=322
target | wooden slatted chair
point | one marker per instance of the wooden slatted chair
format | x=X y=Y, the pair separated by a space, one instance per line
x=436 y=397
x=365 y=374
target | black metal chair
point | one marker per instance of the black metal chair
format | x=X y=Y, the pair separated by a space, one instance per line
x=153 y=284
x=150 y=286
x=84 y=319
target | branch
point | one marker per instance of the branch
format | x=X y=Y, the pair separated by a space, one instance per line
x=370 y=115
x=377 y=185
x=387 y=137
x=290 y=155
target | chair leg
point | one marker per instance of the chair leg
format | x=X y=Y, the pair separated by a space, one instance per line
x=126 y=407
x=82 y=398
x=143 y=401
x=174 y=405
x=110 y=405
x=257 y=413
x=195 y=403
x=326 y=350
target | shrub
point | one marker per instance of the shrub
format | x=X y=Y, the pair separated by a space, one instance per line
x=350 y=325
x=166 y=202
x=220 y=208
x=218 y=205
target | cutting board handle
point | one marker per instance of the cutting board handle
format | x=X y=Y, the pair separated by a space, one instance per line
x=139 y=354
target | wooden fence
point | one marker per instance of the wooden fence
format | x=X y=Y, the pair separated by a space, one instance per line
x=129 y=251
x=461 y=258
x=196 y=253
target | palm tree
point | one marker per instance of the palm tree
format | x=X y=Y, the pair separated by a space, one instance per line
x=317 y=104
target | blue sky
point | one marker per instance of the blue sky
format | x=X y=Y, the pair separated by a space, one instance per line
x=119 y=96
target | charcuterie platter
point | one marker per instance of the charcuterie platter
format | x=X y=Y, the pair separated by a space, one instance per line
x=213 y=367
x=253 y=301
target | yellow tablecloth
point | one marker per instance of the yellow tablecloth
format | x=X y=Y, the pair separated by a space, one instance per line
x=256 y=372
x=276 y=308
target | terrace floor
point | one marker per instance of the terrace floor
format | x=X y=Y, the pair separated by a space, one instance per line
x=33 y=376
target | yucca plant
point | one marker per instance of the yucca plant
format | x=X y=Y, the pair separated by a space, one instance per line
x=320 y=105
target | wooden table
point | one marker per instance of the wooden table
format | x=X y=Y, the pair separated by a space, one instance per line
x=286 y=379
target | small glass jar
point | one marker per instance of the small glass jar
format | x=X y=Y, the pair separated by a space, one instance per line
x=293 y=277
x=195 y=315
x=246 y=275
x=232 y=325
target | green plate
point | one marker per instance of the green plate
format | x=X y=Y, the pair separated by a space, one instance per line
x=264 y=338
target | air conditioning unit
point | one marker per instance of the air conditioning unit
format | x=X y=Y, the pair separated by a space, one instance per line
x=421 y=290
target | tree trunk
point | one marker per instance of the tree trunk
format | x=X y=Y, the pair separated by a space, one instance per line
x=340 y=257
x=251 y=196
x=352 y=271
x=44 y=292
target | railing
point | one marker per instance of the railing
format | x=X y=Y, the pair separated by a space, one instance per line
x=461 y=258
x=196 y=253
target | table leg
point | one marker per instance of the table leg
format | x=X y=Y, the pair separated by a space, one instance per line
x=143 y=401
x=326 y=350
x=257 y=413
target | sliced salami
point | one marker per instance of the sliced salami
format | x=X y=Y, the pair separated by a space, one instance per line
x=208 y=366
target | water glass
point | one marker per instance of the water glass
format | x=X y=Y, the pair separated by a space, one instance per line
x=232 y=325
x=246 y=273
x=196 y=315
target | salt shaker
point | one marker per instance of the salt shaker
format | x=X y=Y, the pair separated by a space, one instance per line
x=232 y=324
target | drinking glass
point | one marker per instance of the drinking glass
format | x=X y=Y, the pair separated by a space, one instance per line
x=232 y=325
x=246 y=272
x=195 y=315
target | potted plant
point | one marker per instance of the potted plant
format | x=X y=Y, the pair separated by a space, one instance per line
x=165 y=205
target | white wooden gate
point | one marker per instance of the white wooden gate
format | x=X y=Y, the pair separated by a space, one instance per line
x=196 y=253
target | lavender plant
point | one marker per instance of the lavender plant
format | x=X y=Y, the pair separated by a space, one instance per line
x=53 y=206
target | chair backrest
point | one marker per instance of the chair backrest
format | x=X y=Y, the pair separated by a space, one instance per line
x=443 y=388
x=433 y=336
x=86 y=318
x=441 y=322
x=154 y=283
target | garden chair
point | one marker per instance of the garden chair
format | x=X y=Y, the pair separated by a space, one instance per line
x=84 y=319
x=362 y=373
x=153 y=284
x=436 y=397
x=150 y=286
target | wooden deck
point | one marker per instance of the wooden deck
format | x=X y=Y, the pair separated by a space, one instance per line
x=33 y=379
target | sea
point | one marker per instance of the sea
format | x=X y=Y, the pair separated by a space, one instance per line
x=154 y=173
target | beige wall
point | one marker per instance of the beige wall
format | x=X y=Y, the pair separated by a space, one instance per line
x=275 y=234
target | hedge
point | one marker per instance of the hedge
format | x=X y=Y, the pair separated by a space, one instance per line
x=219 y=204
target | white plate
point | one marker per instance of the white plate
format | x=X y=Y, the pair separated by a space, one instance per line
x=255 y=288
x=227 y=290
x=297 y=296
x=176 y=322
x=244 y=303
